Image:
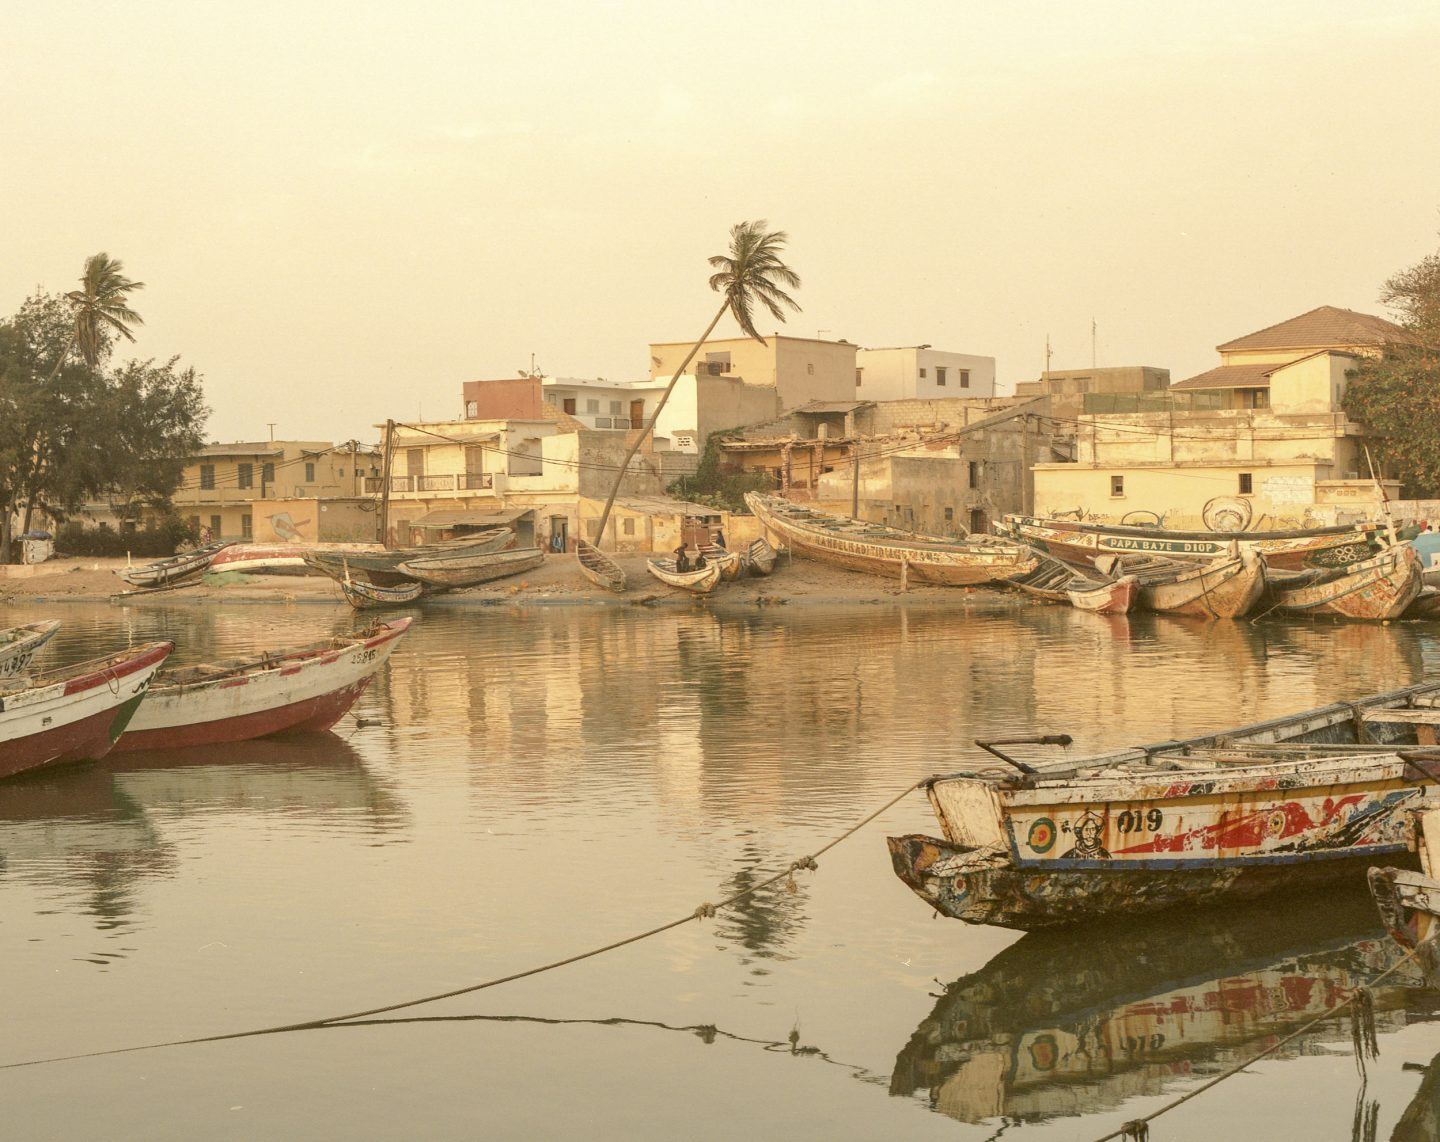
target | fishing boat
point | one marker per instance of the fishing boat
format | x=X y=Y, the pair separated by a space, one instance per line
x=262 y=559
x=19 y=645
x=599 y=568
x=1297 y=800
x=166 y=571
x=465 y=569
x=1078 y=542
x=1425 y=606
x=731 y=563
x=761 y=557
x=75 y=713
x=1374 y=589
x=882 y=550
x=300 y=690
x=700 y=582
x=382 y=568
x=1207 y=589
x=1059 y=582
x=365 y=596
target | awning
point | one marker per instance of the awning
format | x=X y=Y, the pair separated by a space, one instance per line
x=473 y=517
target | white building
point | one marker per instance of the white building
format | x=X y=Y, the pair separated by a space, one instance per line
x=918 y=372
x=603 y=404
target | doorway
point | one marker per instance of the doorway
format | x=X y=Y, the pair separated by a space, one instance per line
x=559 y=534
x=978 y=522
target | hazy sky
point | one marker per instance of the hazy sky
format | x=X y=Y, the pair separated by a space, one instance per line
x=344 y=210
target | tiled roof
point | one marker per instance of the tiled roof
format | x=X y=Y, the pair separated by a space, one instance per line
x=1324 y=327
x=1229 y=377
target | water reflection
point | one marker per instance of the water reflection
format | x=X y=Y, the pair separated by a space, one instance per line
x=1073 y=1023
x=1420 y=1121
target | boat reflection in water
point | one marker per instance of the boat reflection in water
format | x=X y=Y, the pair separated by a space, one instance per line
x=1077 y=1022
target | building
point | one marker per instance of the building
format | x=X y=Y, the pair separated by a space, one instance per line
x=1116 y=388
x=918 y=372
x=798 y=369
x=1263 y=434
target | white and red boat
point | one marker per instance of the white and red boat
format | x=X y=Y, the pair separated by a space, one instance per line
x=304 y=690
x=19 y=645
x=262 y=559
x=75 y=713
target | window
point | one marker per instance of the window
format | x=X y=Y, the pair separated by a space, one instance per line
x=859 y=373
x=810 y=369
x=1117 y=485
x=245 y=475
x=569 y=405
x=949 y=515
x=341 y=472
x=1247 y=483
x=592 y=406
x=215 y=527
x=629 y=525
x=309 y=473
x=964 y=378
x=207 y=476
x=472 y=410
x=247 y=526
x=974 y=473
x=922 y=374
x=267 y=473
x=614 y=408
x=940 y=374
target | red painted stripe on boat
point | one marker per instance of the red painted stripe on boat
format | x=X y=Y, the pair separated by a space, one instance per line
x=153 y=655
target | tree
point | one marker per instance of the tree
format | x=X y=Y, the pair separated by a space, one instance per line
x=1396 y=395
x=751 y=275
x=102 y=308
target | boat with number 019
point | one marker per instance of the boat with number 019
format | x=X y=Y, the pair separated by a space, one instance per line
x=75 y=713
x=882 y=550
x=19 y=645
x=301 y=690
x=1283 y=803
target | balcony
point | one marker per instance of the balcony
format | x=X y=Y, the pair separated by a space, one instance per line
x=449 y=483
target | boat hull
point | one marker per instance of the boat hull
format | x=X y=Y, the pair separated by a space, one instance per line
x=24 y=643
x=1375 y=590
x=1218 y=589
x=1117 y=598
x=455 y=574
x=1409 y=905
x=762 y=558
x=700 y=582
x=959 y=883
x=370 y=596
x=599 y=568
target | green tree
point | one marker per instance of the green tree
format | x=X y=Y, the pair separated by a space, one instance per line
x=751 y=275
x=1396 y=396
x=101 y=309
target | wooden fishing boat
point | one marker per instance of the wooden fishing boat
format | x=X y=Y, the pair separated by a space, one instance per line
x=1297 y=800
x=365 y=596
x=599 y=568
x=262 y=559
x=75 y=713
x=1426 y=605
x=1375 y=589
x=1207 y=589
x=300 y=690
x=1077 y=542
x=1409 y=901
x=762 y=557
x=731 y=563
x=172 y=570
x=19 y=645
x=700 y=582
x=382 y=568
x=889 y=551
x=1059 y=582
x=465 y=569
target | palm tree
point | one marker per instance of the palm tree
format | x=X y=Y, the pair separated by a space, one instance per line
x=101 y=307
x=751 y=275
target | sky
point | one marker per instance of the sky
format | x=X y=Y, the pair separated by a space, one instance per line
x=343 y=211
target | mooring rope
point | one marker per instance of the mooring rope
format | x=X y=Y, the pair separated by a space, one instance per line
x=702 y=912
x=1138 y=1128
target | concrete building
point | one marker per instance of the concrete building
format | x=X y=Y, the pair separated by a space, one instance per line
x=798 y=369
x=919 y=372
x=1272 y=439
x=1118 y=388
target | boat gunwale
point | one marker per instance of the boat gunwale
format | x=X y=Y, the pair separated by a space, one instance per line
x=1130 y=530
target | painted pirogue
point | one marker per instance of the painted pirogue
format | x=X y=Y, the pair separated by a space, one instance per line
x=19 y=645
x=1225 y=588
x=1283 y=550
x=1059 y=582
x=888 y=551
x=1234 y=814
x=1375 y=589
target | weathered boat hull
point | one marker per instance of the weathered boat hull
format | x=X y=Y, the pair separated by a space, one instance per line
x=599 y=568
x=1409 y=905
x=878 y=550
x=1083 y=543
x=20 y=645
x=457 y=573
x=1374 y=590
x=248 y=559
x=1426 y=605
x=1217 y=589
x=731 y=565
x=956 y=883
x=302 y=692
x=1117 y=598
x=173 y=570
x=700 y=582
x=77 y=717
x=762 y=557
x=369 y=596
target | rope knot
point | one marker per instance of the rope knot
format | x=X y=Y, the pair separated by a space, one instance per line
x=1137 y=1129
x=705 y=911
x=807 y=863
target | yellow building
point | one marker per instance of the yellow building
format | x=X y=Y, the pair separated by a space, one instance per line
x=800 y=369
x=1269 y=441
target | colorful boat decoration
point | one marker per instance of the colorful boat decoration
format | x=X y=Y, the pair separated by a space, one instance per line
x=1078 y=542
x=880 y=550
x=467 y=569
x=163 y=572
x=1376 y=589
x=365 y=596
x=20 y=645
x=700 y=582
x=1060 y=1026
x=76 y=713
x=1059 y=582
x=761 y=557
x=1309 y=798
x=300 y=690
x=1227 y=588
x=599 y=568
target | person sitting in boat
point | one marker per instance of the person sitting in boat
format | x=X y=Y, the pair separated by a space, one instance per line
x=1089 y=832
x=682 y=558
x=699 y=564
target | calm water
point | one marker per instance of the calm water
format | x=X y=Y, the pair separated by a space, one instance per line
x=546 y=781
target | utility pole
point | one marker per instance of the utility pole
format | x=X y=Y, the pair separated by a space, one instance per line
x=1048 y=352
x=385 y=484
x=855 y=480
x=1093 y=328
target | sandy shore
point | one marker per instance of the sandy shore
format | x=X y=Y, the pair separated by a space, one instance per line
x=557 y=582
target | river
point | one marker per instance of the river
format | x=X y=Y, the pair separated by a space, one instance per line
x=544 y=781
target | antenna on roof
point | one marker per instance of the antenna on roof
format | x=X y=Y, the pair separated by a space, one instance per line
x=271 y=425
x=1048 y=352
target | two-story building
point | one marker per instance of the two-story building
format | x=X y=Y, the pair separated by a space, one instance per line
x=921 y=372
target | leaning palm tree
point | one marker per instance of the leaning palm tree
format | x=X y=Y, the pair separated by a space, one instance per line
x=751 y=275
x=102 y=307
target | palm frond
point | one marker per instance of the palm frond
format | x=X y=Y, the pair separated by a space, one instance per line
x=754 y=272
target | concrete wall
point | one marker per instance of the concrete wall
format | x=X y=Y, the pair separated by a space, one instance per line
x=1066 y=389
x=701 y=405
x=800 y=369
x=315 y=521
x=1311 y=385
x=896 y=374
x=512 y=398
